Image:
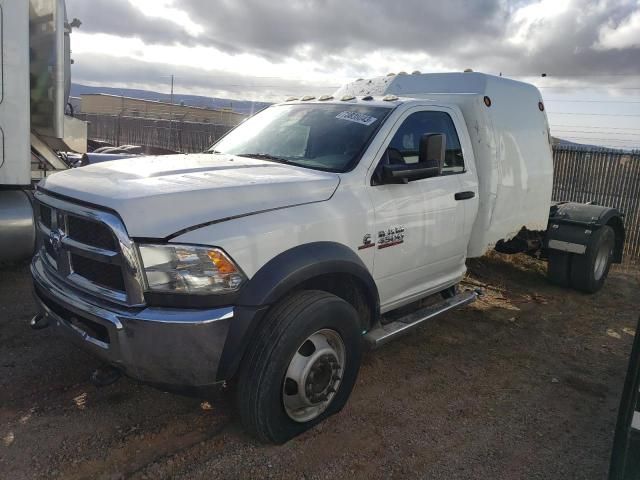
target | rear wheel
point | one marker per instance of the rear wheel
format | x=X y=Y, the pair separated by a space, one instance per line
x=589 y=271
x=559 y=268
x=302 y=366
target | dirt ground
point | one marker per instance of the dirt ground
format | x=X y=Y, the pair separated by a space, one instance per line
x=525 y=383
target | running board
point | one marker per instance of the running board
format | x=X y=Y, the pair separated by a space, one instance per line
x=385 y=333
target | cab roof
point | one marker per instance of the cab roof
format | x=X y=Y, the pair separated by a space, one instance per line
x=392 y=90
x=419 y=84
x=368 y=100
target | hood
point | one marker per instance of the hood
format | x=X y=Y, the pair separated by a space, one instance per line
x=159 y=196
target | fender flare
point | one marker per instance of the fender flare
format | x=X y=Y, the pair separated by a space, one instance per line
x=571 y=224
x=281 y=275
x=290 y=268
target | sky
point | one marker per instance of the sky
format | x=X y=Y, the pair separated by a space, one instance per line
x=269 y=50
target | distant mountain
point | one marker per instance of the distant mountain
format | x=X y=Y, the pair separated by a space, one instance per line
x=241 y=106
x=567 y=143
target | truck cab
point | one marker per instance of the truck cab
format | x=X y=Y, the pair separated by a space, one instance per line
x=275 y=258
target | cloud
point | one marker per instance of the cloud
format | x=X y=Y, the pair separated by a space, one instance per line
x=558 y=37
x=120 y=17
x=324 y=41
x=306 y=27
x=125 y=72
x=621 y=36
x=323 y=27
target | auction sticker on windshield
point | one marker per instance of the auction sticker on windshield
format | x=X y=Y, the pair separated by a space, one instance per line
x=356 y=117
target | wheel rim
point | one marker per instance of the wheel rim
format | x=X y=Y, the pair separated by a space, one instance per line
x=602 y=259
x=313 y=376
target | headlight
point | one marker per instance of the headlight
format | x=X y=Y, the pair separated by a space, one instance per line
x=189 y=269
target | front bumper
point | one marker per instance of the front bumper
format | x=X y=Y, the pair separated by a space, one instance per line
x=171 y=347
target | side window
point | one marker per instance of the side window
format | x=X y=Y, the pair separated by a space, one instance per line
x=406 y=141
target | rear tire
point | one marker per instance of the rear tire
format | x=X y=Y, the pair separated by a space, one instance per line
x=308 y=332
x=559 y=268
x=589 y=271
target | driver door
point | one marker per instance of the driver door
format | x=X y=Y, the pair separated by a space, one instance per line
x=420 y=237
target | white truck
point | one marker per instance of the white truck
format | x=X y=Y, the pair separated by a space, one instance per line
x=34 y=88
x=274 y=259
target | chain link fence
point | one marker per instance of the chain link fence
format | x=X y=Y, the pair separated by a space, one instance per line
x=176 y=136
x=605 y=177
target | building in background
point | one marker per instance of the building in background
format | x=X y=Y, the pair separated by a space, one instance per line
x=105 y=104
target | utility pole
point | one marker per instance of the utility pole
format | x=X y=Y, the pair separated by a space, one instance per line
x=171 y=89
x=171 y=114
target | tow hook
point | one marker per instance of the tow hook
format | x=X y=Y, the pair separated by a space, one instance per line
x=39 y=321
x=105 y=375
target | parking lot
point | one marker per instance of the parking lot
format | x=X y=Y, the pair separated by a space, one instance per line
x=524 y=383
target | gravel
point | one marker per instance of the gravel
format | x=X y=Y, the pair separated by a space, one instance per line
x=524 y=383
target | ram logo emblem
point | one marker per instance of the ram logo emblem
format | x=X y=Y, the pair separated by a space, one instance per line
x=366 y=242
x=55 y=240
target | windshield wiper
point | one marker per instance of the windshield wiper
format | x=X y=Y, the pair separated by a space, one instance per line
x=264 y=156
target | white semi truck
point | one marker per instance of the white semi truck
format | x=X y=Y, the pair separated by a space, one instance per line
x=34 y=88
x=314 y=229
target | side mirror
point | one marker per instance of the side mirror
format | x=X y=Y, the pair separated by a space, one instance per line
x=432 y=150
x=430 y=161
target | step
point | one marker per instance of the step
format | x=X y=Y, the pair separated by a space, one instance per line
x=385 y=333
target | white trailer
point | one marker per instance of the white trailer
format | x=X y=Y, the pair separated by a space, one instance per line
x=34 y=88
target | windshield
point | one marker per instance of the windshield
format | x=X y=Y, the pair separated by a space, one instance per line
x=321 y=136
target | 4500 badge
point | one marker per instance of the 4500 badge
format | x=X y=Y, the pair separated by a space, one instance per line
x=386 y=238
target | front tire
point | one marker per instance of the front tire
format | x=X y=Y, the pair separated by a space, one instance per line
x=302 y=366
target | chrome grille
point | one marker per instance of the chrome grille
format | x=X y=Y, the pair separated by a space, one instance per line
x=90 y=249
x=104 y=274
x=45 y=215
x=91 y=233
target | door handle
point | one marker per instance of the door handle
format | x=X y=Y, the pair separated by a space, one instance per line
x=464 y=195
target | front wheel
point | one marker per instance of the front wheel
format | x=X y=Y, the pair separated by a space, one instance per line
x=302 y=366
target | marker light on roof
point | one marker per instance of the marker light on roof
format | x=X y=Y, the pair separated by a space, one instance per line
x=390 y=98
x=291 y=99
x=346 y=98
x=368 y=97
x=391 y=74
x=307 y=97
x=415 y=72
x=402 y=73
x=325 y=97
